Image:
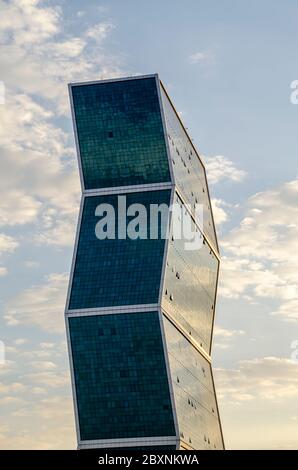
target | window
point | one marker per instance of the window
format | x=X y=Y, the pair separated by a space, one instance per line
x=105 y=158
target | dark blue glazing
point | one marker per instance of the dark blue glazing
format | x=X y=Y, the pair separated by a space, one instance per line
x=120 y=376
x=120 y=133
x=120 y=271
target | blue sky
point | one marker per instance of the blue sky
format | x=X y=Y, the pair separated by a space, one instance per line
x=228 y=67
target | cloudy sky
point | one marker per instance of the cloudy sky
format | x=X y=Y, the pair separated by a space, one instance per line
x=228 y=67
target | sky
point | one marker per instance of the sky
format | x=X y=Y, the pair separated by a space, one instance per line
x=228 y=67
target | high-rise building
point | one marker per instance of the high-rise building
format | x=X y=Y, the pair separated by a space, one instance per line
x=140 y=309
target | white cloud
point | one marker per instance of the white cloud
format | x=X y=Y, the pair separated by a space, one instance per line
x=35 y=402
x=257 y=400
x=39 y=391
x=223 y=338
x=263 y=250
x=27 y=21
x=240 y=275
x=37 y=354
x=224 y=333
x=219 y=212
x=40 y=182
x=35 y=160
x=220 y=168
x=99 y=31
x=20 y=341
x=200 y=57
x=49 y=378
x=58 y=230
x=41 y=305
x=8 y=401
x=41 y=423
x=7 y=367
x=7 y=244
x=269 y=228
x=268 y=378
x=288 y=310
x=40 y=51
x=14 y=387
x=18 y=208
x=43 y=365
x=32 y=264
x=70 y=48
x=46 y=345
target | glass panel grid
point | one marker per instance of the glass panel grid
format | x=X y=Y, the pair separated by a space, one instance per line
x=120 y=133
x=189 y=288
x=117 y=272
x=188 y=170
x=194 y=392
x=120 y=376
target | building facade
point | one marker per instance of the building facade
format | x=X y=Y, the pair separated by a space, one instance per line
x=140 y=309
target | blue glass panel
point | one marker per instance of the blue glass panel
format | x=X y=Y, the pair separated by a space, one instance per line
x=188 y=169
x=117 y=272
x=194 y=393
x=120 y=376
x=120 y=133
x=190 y=287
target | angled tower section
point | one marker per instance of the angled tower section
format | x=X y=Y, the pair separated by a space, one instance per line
x=189 y=295
x=140 y=310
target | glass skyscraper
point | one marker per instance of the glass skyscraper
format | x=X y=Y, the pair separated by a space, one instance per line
x=140 y=310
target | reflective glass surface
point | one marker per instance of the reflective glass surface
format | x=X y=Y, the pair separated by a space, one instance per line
x=120 y=376
x=120 y=271
x=188 y=170
x=194 y=393
x=190 y=286
x=120 y=133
